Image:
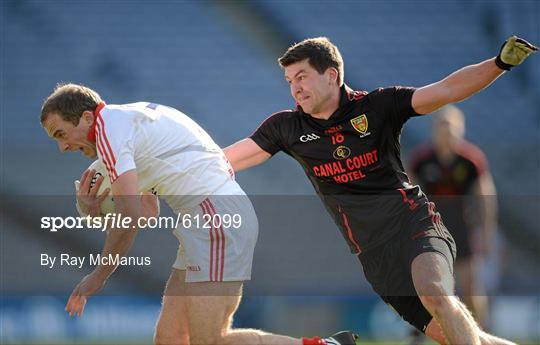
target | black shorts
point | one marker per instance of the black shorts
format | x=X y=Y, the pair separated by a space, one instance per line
x=388 y=267
x=452 y=209
x=462 y=236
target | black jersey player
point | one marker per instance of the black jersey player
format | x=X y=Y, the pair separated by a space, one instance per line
x=348 y=145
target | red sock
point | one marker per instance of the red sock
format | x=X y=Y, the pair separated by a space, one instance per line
x=313 y=341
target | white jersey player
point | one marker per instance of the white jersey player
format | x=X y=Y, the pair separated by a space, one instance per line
x=175 y=158
x=149 y=147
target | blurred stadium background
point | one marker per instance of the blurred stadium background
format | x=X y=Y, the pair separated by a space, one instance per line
x=216 y=61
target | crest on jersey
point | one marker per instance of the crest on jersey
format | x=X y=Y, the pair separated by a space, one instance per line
x=360 y=123
x=342 y=152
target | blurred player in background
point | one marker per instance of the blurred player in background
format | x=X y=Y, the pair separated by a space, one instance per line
x=449 y=169
x=348 y=144
x=150 y=147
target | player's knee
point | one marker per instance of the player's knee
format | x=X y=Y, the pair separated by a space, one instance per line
x=167 y=336
x=432 y=303
x=434 y=297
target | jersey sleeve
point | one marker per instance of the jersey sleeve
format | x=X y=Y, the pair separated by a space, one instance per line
x=270 y=134
x=114 y=142
x=395 y=102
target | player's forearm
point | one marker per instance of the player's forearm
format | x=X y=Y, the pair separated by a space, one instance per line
x=120 y=240
x=468 y=80
x=458 y=86
x=243 y=164
x=117 y=242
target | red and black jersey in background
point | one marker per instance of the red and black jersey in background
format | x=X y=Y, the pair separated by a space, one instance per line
x=353 y=161
x=450 y=185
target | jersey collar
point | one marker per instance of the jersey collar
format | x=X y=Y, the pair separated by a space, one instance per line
x=92 y=131
x=346 y=98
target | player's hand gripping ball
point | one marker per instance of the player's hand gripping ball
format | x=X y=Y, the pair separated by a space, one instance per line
x=107 y=205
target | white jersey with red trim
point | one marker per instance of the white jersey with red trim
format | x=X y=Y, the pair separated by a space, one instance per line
x=172 y=154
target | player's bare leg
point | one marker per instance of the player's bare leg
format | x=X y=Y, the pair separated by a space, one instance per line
x=214 y=319
x=434 y=284
x=211 y=306
x=452 y=322
x=434 y=331
x=489 y=339
x=172 y=324
x=471 y=290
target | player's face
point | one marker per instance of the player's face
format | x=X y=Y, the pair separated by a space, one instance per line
x=310 y=89
x=70 y=137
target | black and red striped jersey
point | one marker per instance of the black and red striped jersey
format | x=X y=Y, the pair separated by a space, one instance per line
x=457 y=177
x=451 y=185
x=352 y=158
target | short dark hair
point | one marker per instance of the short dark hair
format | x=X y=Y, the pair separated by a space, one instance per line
x=70 y=101
x=320 y=52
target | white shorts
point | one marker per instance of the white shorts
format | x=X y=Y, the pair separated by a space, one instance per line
x=212 y=248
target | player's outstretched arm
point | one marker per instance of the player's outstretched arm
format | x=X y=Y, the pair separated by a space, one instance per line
x=469 y=80
x=245 y=154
